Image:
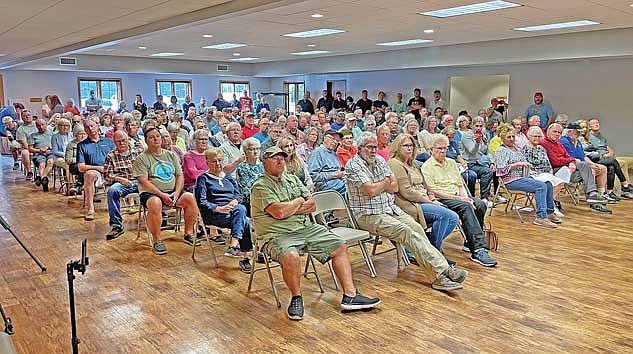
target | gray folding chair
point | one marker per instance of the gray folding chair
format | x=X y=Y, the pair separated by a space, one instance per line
x=513 y=196
x=330 y=200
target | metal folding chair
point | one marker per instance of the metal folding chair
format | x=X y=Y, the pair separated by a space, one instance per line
x=513 y=196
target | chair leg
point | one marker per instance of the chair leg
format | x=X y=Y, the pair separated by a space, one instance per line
x=334 y=279
x=316 y=274
x=367 y=258
x=272 y=281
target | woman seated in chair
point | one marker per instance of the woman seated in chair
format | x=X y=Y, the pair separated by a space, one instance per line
x=412 y=196
x=541 y=168
x=193 y=161
x=294 y=164
x=219 y=200
x=514 y=170
x=249 y=170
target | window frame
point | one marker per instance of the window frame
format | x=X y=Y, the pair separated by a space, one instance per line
x=234 y=82
x=98 y=93
x=297 y=96
x=172 y=82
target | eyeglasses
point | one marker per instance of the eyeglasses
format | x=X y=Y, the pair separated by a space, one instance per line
x=253 y=149
x=408 y=146
x=216 y=161
x=371 y=147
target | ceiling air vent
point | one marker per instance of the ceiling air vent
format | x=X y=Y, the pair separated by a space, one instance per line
x=223 y=67
x=67 y=61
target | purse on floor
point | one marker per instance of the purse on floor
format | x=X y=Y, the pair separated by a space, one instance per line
x=490 y=237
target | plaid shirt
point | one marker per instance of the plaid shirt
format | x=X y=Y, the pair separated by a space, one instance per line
x=357 y=173
x=118 y=164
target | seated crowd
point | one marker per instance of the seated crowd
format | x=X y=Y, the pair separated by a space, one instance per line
x=409 y=172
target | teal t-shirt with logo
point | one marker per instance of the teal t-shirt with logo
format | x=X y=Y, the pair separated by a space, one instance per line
x=161 y=170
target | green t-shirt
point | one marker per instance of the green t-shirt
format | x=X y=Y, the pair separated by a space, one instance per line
x=270 y=189
x=161 y=169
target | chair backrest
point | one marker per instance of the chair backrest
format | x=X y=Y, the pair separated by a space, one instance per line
x=330 y=200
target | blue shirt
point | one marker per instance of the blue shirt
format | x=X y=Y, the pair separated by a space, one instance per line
x=262 y=137
x=542 y=110
x=336 y=126
x=212 y=192
x=576 y=152
x=185 y=107
x=94 y=152
x=6 y=111
x=452 y=151
x=322 y=163
x=261 y=106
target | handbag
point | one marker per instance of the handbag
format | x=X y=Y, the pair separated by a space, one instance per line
x=490 y=237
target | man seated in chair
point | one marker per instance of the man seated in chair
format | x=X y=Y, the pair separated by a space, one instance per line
x=91 y=154
x=281 y=207
x=161 y=184
x=42 y=150
x=371 y=186
x=580 y=170
x=117 y=172
x=444 y=180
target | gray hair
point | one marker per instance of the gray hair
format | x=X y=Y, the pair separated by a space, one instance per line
x=232 y=124
x=364 y=138
x=561 y=117
x=59 y=122
x=534 y=129
x=173 y=127
x=478 y=119
x=70 y=99
x=390 y=115
x=554 y=124
x=439 y=138
x=78 y=129
x=249 y=143
x=459 y=121
x=198 y=133
x=127 y=116
x=6 y=119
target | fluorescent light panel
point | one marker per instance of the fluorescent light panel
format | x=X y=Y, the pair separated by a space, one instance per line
x=559 y=25
x=224 y=46
x=244 y=59
x=405 y=42
x=471 y=9
x=166 y=54
x=314 y=33
x=311 y=52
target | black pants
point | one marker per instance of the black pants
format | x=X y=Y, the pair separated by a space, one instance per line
x=613 y=169
x=75 y=171
x=485 y=175
x=472 y=220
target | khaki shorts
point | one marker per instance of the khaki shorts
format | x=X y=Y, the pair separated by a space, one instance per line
x=315 y=239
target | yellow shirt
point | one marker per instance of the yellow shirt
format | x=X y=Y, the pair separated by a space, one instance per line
x=443 y=178
x=493 y=145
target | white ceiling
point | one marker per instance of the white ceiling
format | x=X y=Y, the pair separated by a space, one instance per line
x=42 y=26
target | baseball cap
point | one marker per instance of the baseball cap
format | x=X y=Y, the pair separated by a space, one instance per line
x=334 y=133
x=350 y=116
x=274 y=151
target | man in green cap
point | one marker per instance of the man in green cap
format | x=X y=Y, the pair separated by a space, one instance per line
x=281 y=207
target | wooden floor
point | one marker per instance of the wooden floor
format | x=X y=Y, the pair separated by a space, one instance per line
x=567 y=290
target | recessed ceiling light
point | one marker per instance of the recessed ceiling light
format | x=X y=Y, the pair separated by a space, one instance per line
x=166 y=54
x=207 y=35
x=311 y=52
x=552 y=26
x=429 y=31
x=311 y=45
x=224 y=46
x=141 y=47
x=317 y=15
x=314 y=33
x=109 y=50
x=3 y=54
x=471 y=9
x=405 y=42
x=236 y=54
x=244 y=59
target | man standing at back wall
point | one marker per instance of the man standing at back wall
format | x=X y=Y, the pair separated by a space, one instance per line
x=541 y=109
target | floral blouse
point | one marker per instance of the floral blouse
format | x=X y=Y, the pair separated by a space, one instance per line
x=537 y=157
x=247 y=174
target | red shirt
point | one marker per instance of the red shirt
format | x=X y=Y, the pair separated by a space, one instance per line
x=249 y=132
x=73 y=110
x=556 y=153
x=344 y=155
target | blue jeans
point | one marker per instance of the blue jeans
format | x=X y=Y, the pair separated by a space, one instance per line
x=236 y=220
x=442 y=220
x=115 y=193
x=543 y=192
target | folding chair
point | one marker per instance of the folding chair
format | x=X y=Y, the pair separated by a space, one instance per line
x=265 y=249
x=142 y=215
x=200 y=222
x=513 y=196
x=330 y=200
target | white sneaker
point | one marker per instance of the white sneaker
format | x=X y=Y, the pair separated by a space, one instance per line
x=500 y=200
x=489 y=204
x=523 y=209
x=558 y=213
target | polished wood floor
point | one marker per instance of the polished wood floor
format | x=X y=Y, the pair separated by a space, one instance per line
x=567 y=290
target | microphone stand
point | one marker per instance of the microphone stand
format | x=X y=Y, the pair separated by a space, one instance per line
x=79 y=266
x=8 y=228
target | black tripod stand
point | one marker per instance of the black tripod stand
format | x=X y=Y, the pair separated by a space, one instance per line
x=6 y=345
x=8 y=228
x=79 y=266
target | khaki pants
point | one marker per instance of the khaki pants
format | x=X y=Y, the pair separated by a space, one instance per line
x=404 y=229
x=626 y=163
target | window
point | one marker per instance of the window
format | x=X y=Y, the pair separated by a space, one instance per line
x=295 y=91
x=108 y=90
x=228 y=88
x=178 y=88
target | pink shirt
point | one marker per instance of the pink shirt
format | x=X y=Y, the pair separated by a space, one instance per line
x=193 y=165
